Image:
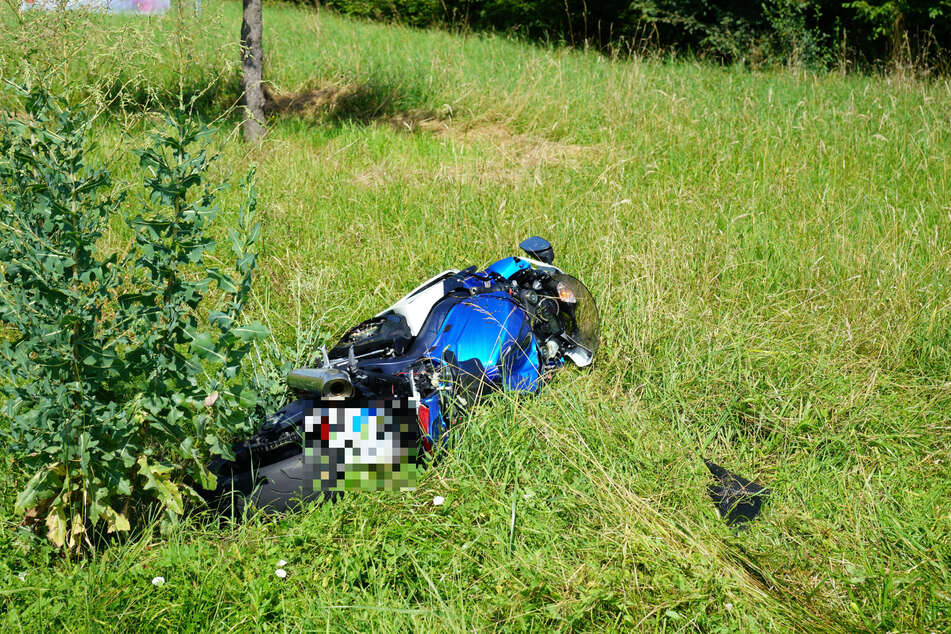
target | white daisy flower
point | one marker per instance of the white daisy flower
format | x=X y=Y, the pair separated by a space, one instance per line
x=158 y=581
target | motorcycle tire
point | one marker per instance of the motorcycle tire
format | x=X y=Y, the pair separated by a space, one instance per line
x=268 y=470
x=278 y=486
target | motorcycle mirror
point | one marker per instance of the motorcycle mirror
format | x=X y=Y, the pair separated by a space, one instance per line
x=539 y=249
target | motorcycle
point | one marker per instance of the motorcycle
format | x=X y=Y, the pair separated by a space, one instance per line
x=433 y=353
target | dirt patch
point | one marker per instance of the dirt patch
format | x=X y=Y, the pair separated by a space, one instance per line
x=308 y=102
x=364 y=103
x=501 y=155
x=417 y=121
x=522 y=149
x=361 y=102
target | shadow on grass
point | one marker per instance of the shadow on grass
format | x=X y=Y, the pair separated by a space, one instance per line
x=330 y=105
x=360 y=103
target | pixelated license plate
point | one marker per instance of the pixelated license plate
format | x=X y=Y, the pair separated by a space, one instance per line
x=363 y=445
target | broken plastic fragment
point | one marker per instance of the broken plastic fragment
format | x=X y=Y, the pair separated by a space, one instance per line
x=738 y=500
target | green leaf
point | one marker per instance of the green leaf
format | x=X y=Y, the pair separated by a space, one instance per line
x=248 y=397
x=250 y=332
x=203 y=345
x=124 y=487
x=225 y=283
x=127 y=458
x=220 y=319
x=206 y=478
x=44 y=484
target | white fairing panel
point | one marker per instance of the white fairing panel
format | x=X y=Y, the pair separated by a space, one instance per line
x=417 y=304
x=580 y=356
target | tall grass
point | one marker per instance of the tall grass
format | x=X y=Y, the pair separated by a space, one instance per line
x=770 y=256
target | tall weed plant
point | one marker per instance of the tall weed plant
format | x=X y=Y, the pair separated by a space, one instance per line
x=123 y=372
x=126 y=65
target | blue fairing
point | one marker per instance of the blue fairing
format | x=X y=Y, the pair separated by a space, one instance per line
x=508 y=267
x=477 y=330
x=491 y=328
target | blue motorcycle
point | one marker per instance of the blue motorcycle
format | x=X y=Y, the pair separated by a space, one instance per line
x=437 y=350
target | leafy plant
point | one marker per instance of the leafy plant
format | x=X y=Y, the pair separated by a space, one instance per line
x=780 y=31
x=117 y=390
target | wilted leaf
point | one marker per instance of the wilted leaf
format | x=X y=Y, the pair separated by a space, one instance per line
x=158 y=480
x=211 y=399
x=121 y=522
x=56 y=523
x=115 y=521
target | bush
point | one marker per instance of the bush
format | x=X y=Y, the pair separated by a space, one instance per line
x=116 y=392
x=777 y=31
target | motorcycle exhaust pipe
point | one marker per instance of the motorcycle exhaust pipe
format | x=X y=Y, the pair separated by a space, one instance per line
x=328 y=382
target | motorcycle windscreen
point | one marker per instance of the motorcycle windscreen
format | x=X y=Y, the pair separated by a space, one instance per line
x=580 y=320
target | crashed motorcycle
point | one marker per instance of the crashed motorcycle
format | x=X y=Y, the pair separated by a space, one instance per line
x=440 y=348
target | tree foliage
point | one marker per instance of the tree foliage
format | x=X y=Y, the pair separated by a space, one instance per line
x=811 y=31
x=119 y=383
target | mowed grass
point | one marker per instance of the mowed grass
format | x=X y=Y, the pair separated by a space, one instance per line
x=770 y=256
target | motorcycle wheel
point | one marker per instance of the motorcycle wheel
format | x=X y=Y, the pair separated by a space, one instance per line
x=278 y=486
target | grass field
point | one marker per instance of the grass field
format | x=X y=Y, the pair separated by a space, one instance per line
x=770 y=252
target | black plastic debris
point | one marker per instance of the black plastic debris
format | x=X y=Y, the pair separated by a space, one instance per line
x=738 y=499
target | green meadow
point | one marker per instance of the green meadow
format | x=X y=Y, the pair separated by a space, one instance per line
x=770 y=254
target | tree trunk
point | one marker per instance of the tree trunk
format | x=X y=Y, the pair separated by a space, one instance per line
x=252 y=62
